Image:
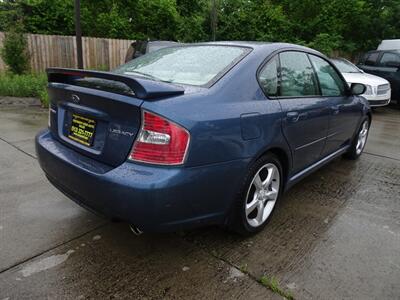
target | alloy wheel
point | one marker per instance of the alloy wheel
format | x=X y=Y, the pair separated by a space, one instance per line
x=262 y=194
x=362 y=138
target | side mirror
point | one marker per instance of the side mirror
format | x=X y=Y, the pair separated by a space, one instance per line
x=357 y=89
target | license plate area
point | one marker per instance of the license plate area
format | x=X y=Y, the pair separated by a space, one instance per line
x=82 y=129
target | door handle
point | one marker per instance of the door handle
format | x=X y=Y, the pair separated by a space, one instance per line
x=335 y=110
x=292 y=116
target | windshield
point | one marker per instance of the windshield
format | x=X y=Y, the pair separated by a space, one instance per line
x=193 y=65
x=345 y=66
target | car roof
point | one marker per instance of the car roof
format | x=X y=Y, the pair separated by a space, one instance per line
x=163 y=42
x=256 y=44
x=260 y=46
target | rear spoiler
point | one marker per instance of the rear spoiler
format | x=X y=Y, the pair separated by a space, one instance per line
x=142 y=88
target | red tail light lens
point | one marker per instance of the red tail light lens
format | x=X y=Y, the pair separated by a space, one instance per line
x=160 y=141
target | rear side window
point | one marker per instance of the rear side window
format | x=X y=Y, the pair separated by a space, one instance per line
x=297 y=75
x=329 y=80
x=371 y=58
x=268 y=77
x=390 y=58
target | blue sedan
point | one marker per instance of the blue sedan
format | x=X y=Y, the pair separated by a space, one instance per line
x=198 y=134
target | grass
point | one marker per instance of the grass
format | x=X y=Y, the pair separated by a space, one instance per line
x=273 y=284
x=269 y=282
x=244 y=269
x=27 y=85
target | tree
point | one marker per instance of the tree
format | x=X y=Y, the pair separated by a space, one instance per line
x=326 y=43
x=193 y=18
x=48 y=17
x=9 y=12
x=14 y=51
x=349 y=26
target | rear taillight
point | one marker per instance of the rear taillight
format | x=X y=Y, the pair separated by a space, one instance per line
x=160 y=141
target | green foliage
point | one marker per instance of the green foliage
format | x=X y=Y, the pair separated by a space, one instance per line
x=26 y=85
x=14 y=51
x=244 y=269
x=191 y=29
x=273 y=284
x=156 y=19
x=9 y=12
x=44 y=97
x=348 y=26
x=328 y=26
x=48 y=16
x=326 y=43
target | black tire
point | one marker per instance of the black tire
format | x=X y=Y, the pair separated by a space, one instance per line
x=238 y=220
x=352 y=153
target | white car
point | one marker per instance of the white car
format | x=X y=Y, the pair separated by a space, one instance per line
x=378 y=91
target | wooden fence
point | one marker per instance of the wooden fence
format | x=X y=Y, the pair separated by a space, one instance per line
x=60 y=51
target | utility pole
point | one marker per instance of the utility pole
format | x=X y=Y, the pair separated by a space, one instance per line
x=213 y=19
x=78 y=34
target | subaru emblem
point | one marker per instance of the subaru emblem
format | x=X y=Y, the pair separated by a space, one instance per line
x=75 y=98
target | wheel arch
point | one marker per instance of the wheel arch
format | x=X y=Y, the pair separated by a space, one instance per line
x=369 y=115
x=284 y=159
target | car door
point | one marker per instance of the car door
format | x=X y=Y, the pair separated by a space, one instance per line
x=305 y=121
x=370 y=64
x=344 y=109
x=389 y=68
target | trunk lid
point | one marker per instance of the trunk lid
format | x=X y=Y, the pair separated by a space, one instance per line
x=97 y=113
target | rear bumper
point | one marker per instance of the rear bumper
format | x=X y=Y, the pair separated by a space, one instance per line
x=153 y=198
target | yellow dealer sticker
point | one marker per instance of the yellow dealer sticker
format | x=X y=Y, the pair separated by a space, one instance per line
x=82 y=130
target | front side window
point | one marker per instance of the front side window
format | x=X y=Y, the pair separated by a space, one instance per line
x=193 y=65
x=390 y=58
x=329 y=80
x=297 y=75
x=268 y=77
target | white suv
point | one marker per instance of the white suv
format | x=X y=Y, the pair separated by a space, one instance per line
x=378 y=91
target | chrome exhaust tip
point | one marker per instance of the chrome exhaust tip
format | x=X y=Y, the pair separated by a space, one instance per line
x=135 y=230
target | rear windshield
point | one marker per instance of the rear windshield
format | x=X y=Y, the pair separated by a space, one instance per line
x=192 y=65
